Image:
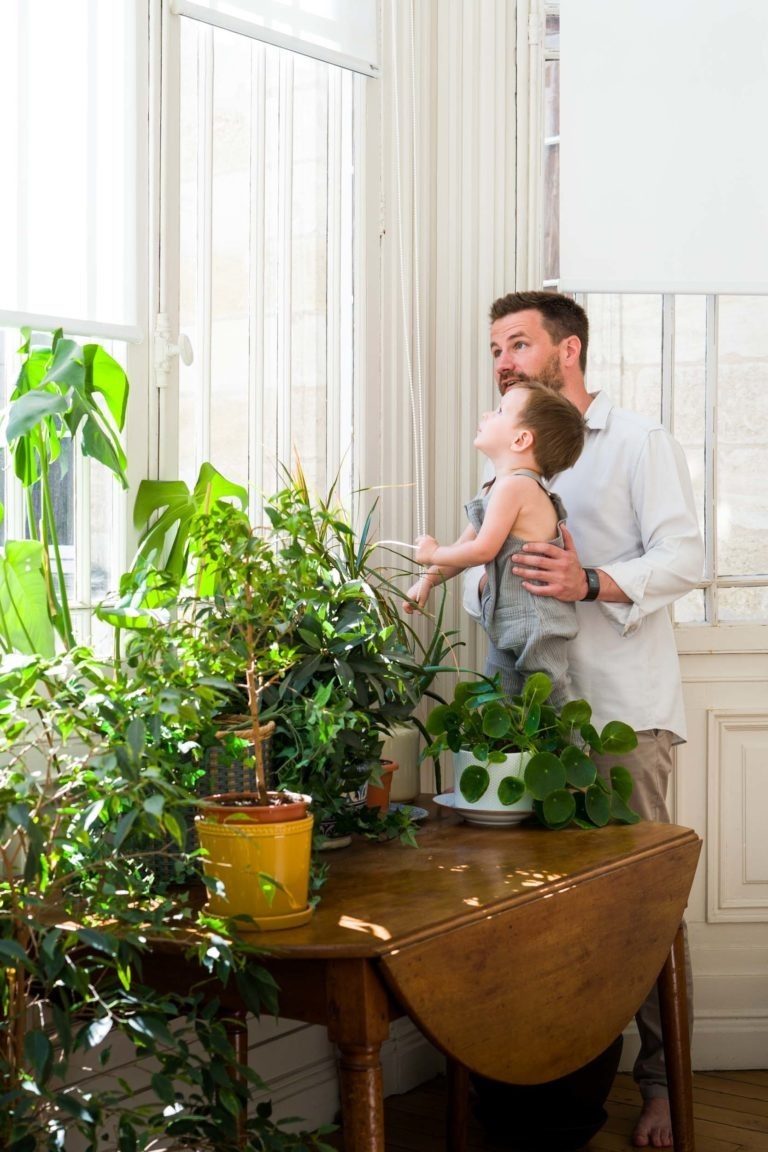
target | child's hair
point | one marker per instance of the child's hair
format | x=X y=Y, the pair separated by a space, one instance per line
x=557 y=426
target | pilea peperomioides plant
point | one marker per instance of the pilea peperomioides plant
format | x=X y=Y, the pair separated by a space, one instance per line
x=560 y=774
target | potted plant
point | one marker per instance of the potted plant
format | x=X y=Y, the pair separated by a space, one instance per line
x=337 y=666
x=76 y=912
x=553 y=775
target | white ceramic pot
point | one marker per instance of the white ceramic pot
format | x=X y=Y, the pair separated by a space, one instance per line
x=489 y=807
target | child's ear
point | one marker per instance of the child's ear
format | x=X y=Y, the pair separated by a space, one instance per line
x=523 y=440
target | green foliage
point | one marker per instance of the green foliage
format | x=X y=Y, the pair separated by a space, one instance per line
x=85 y=795
x=559 y=775
x=63 y=392
x=297 y=619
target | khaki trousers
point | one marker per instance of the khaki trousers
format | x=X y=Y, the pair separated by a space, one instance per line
x=651 y=765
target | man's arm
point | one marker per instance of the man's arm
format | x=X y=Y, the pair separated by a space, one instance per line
x=672 y=557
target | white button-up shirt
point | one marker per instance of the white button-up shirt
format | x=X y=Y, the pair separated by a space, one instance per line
x=631 y=512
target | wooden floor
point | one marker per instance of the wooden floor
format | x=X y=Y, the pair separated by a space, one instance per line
x=730 y=1111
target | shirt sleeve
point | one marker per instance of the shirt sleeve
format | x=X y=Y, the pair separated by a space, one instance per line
x=472 y=578
x=671 y=551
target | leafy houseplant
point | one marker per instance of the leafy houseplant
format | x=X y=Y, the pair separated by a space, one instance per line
x=559 y=775
x=77 y=909
x=334 y=665
x=63 y=392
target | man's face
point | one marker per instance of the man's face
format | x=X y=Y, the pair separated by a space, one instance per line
x=523 y=350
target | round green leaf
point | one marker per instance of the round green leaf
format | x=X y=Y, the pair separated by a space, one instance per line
x=580 y=770
x=618 y=738
x=537 y=688
x=510 y=789
x=558 y=808
x=496 y=722
x=598 y=806
x=622 y=781
x=474 y=783
x=544 y=774
x=435 y=722
x=575 y=713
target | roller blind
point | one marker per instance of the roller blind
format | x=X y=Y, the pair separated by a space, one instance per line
x=664 y=169
x=341 y=32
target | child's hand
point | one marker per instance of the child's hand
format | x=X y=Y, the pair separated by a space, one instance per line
x=425 y=549
x=417 y=595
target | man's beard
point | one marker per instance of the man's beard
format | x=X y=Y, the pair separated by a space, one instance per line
x=550 y=376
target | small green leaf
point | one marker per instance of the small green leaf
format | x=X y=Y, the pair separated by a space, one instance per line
x=510 y=790
x=544 y=773
x=580 y=770
x=537 y=689
x=496 y=722
x=618 y=738
x=474 y=783
x=558 y=808
x=622 y=781
x=598 y=806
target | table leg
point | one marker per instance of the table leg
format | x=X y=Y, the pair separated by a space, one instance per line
x=673 y=1002
x=235 y=1024
x=358 y=1023
x=457 y=1113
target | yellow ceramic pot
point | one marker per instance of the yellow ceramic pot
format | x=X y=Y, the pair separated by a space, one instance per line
x=263 y=869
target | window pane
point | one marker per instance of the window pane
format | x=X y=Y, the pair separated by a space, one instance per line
x=551 y=213
x=625 y=350
x=263 y=230
x=67 y=90
x=742 y=444
x=690 y=609
x=688 y=407
x=742 y=604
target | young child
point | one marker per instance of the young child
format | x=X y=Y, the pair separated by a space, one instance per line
x=532 y=435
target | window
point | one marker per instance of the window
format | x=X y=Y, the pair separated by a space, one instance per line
x=697 y=362
x=69 y=209
x=266 y=255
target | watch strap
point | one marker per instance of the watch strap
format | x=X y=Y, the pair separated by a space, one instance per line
x=593 y=584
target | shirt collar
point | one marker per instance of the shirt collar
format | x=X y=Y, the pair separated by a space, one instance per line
x=596 y=416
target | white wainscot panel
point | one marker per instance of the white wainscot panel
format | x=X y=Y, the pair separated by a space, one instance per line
x=737 y=802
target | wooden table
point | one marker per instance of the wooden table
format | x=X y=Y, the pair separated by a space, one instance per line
x=521 y=953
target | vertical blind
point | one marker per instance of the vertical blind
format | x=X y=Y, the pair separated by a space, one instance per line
x=664 y=168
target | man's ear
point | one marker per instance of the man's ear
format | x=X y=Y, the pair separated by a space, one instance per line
x=570 y=351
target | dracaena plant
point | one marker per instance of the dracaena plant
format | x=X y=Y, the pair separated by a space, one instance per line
x=65 y=394
x=560 y=774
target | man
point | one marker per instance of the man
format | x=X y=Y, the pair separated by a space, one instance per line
x=632 y=547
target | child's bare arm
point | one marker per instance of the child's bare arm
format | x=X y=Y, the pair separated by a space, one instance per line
x=500 y=515
x=418 y=594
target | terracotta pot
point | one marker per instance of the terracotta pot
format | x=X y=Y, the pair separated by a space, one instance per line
x=378 y=795
x=243 y=808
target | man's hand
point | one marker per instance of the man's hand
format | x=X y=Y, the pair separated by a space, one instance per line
x=425 y=549
x=558 y=571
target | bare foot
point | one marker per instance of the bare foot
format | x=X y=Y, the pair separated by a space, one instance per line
x=654 y=1125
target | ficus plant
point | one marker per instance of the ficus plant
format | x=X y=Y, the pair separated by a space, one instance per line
x=560 y=775
x=79 y=905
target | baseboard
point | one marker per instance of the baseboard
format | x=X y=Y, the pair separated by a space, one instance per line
x=721 y=1040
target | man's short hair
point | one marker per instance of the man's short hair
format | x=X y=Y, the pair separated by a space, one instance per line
x=560 y=315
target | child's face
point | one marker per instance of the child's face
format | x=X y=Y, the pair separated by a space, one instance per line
x=497 y=429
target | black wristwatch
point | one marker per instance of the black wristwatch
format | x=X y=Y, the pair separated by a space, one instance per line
x=593 y=584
